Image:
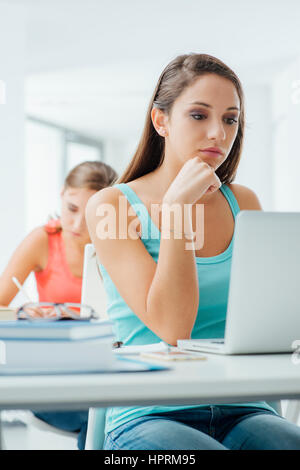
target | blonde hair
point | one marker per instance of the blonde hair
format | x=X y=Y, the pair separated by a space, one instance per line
x=92 y=175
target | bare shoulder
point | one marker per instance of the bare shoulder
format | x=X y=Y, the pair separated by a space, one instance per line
x=38 y=236
x=108 y=195
x=246 y=197
x=36 y=245
x=104 y=203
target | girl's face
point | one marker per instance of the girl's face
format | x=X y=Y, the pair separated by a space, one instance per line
x=73 y=203
x=204 y=116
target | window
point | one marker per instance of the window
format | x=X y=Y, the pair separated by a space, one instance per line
x=51 y=152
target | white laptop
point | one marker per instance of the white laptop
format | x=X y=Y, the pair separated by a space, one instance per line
x=263 y=311
x=93 y=292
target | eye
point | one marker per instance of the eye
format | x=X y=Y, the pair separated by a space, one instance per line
x=72 y=208
x=198 y=117
x=231 y=121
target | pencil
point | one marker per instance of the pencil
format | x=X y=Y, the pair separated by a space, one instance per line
x=21 y=288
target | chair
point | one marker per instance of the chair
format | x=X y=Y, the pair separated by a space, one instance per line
x=292 y=412
x=95 y=431
x=35 y=423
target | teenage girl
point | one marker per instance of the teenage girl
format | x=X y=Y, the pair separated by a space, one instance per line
x=55 y=254
x=168 y=278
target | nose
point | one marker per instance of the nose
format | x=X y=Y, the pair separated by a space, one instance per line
x=79 y=223
x=216 y=130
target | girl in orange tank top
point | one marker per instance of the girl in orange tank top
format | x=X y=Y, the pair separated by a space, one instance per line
x=49 y=281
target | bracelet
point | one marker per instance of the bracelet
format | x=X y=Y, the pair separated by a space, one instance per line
x=188 y=236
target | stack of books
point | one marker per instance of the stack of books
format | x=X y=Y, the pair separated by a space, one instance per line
x=56 y=346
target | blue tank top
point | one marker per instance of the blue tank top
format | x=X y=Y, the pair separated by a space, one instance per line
x=213 y=279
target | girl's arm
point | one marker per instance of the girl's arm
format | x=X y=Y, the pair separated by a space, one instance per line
x=163 y=295
x=29 y=256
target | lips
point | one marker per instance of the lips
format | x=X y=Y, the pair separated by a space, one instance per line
x=213 y=151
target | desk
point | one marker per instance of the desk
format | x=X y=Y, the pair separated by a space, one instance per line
x=219 y=379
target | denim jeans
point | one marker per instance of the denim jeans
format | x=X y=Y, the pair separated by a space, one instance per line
x=210 y=428
x=74 y=421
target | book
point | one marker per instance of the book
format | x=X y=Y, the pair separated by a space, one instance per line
x=7 y=314
x=58 y=329
x=119 y=364
x=86 y=355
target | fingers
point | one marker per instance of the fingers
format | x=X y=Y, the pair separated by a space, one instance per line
x=38 y=312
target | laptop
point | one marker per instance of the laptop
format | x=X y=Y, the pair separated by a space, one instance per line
x=93 y=292
x=263 y=310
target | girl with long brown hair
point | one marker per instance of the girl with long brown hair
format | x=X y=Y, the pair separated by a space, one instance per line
x=166 y=277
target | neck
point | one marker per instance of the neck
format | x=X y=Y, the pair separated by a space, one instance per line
x=76 y=245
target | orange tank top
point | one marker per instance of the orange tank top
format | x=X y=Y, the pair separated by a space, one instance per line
x=56 y=283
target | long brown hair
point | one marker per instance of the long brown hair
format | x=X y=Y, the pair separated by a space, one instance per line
x=178 y=75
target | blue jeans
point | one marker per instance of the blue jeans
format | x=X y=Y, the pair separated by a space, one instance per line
x=210 y=428
x=74 y=421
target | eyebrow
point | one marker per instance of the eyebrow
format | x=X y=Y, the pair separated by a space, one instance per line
x=209 y=106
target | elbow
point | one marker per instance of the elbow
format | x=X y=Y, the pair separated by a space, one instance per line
x=172 y=341
x=172 y=336
x=178 y=324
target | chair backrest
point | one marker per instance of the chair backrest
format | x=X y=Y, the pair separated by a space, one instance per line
x=93 y=292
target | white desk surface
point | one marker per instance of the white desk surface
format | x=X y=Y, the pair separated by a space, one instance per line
x=219 y=379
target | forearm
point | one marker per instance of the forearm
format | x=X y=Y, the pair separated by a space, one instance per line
x=173 y=297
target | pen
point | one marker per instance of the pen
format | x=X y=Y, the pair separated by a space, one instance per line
x=21 y=288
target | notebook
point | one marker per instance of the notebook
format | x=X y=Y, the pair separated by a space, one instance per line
x=59 y=329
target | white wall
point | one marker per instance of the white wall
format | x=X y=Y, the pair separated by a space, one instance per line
x=256 y=167
x=118 y=153
x=43 y=156
x=286 y=122
x=12 y=200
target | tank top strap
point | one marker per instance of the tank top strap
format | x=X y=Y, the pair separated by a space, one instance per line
x=148 y=228
x=235 y=209
x=139 y=208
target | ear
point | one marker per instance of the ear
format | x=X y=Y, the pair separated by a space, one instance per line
x=159 y=121
x=62 y=191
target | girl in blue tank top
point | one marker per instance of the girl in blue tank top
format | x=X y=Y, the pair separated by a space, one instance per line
x=165 y=261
